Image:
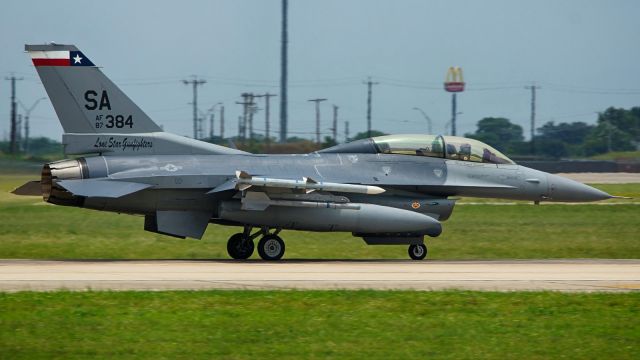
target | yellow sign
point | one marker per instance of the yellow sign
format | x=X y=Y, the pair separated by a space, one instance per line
x=454 y=82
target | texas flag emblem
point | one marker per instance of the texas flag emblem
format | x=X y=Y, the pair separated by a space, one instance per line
x=59 y=58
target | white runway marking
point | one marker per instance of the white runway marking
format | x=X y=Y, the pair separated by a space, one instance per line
x=504 y=275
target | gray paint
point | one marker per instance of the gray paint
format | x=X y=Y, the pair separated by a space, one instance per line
x=181 y=184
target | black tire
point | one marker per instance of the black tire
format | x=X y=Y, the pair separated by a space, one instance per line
x=271 y=247
x=239 y=248
x=417 y=251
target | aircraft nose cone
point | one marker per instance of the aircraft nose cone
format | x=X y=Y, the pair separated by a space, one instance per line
x=563 y=189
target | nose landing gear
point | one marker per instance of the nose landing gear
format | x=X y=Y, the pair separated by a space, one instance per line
x=271 y=247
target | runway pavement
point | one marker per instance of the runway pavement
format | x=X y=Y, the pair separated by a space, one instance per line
x=508 y=275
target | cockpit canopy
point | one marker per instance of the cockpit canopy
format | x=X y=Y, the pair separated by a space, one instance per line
x=449 y=147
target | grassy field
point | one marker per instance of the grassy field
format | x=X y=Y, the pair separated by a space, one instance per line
x=33 y=229
x=319 y=324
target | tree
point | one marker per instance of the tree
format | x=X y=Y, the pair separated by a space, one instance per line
x=328 y=142
x=551 y=148
x=570 y=133
x=497 y=132
x=626 y=120
x=606 y=137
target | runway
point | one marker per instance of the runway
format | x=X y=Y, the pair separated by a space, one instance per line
x=511 y=275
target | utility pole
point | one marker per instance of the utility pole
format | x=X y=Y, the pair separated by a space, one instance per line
x=317 y=101
x=346 y=131
x=195 y=82
x=222 y=122
x=246 y=103
x=212 y=117
x=283 y=74
x=253 y=109
x=454 y=113
x=369 y=84
x=14 y=128
x=533 y=88
x=19 y=133
x=211 y=122
x=27 y=113
x=335 y=124
x=267 y=97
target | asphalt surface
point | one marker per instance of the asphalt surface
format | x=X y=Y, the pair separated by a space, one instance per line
x=503 y=275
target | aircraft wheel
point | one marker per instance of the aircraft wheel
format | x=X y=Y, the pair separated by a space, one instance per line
x=271 y=247
x=238 y=247
x=417 y=251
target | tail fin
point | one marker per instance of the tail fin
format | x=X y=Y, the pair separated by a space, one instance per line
x=97 y=117
x=85 y=100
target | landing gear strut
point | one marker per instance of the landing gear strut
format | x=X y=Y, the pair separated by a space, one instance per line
x=271 y=247
x=417 y=251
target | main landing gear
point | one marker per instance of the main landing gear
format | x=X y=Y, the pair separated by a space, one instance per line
x=270 y=247
x=417 y=251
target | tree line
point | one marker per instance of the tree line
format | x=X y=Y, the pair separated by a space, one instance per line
x=617 y=129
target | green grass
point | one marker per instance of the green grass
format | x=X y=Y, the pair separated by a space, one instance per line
x=33 y=229
x=319 y=324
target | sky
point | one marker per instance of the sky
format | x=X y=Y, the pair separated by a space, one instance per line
x=584 y=55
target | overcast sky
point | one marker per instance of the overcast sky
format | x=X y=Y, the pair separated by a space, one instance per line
x=585 y=55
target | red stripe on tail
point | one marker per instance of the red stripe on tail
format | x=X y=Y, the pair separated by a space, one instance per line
x=51 y=62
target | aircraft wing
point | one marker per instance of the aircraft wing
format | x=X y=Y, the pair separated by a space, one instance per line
x=102 y=188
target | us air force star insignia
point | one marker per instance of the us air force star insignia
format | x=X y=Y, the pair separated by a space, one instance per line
x=171 y=167
x=77 y=59
x=437 y=172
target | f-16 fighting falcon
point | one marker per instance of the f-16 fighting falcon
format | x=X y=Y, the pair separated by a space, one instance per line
x=386 y=190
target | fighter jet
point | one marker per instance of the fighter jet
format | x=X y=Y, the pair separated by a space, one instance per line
x=393 y=189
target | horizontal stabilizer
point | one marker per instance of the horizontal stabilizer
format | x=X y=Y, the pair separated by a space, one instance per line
x=102 y=188
x=31 y=188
